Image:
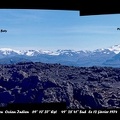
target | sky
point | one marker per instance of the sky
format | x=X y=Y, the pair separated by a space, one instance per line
x=57 y=29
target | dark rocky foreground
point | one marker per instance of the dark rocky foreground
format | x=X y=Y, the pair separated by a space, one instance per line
x=79 y=87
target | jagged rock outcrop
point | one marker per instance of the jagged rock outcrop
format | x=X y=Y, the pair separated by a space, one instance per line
x=80 y=87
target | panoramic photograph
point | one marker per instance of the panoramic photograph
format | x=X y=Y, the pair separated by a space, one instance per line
x=55 y=56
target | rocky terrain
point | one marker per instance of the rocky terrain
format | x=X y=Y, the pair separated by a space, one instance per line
x=80 y=87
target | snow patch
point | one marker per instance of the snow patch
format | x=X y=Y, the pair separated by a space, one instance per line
x=115 y=48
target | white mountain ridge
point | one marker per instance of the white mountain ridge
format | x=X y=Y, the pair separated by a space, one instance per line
x=115 y=48
x=9 y=51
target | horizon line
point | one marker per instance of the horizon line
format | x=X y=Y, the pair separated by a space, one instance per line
x=51 y=50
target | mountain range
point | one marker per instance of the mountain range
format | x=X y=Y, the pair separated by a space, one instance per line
x=84 y=58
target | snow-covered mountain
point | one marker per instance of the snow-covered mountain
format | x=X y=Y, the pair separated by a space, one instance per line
x=115 y=48
x=9 y=51
x=97 y=57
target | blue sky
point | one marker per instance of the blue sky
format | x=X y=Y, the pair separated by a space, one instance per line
x=55 y=29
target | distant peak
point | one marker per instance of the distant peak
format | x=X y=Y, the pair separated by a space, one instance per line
x=118 y=45
x=115 y=48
